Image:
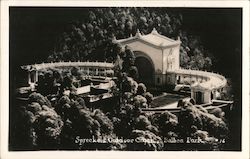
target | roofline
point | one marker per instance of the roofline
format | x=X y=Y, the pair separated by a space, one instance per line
x=67 y=64
x=162 y=36
x=132 y=39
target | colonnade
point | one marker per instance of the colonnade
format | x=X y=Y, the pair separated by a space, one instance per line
x=88 y=68
x=204 y=85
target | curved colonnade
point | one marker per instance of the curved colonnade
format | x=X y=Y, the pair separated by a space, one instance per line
x=68 y=64
x=102 y=69
x=203 y=88
x=207 y=80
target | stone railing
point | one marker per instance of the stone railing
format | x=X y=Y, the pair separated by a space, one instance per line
x=214 y=80
x=68 y=64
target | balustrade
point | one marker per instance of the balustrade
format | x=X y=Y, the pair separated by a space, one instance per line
x=209 y=79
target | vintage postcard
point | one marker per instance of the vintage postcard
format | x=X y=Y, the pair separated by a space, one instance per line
x=124 y=79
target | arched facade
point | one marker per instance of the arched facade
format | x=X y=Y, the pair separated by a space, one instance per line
x=145 y=67
x=161 y=51
x=157 y=58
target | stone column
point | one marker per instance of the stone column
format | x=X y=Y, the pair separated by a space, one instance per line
x=96 y=71
x=193 y=94
x=36 y=76
x=88 y=71
x=105 y=72
x=206 y=96
x=29 y=80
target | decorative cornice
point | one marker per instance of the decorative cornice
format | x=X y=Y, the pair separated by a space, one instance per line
x=139 y=37
x=138 y=33
x=154 y=32
x=133 y=39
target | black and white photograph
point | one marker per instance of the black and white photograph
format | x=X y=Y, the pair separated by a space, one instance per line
x=125 y=78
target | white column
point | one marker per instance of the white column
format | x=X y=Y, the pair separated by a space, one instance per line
x=193 y=94
x=214 y=94
x=36 y=76
x=105 y=72
x=29 y=80
x=88 y=71
x=207 y=97
x=96 y=71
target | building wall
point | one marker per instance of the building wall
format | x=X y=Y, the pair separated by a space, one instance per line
x=171 y=78
x=205 y=95
x=171 y=59
x=154 y=53
x=166 y=63
x=162 y=59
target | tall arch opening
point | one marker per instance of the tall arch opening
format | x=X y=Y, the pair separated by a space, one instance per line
x=145 y=69
x=199 y=98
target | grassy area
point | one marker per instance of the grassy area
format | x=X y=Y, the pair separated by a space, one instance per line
x=166 y=99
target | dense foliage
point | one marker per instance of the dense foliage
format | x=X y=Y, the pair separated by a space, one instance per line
x=69 y=122
x=90 y=38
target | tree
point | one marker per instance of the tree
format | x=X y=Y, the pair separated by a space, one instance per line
x=146 y=141
x=85 y=125
x=75 y=71
x=34 y=108
x=129 y=85
x=91 y=39
x=143 y=123
x=192 y=53
x=68 y=136
x=117 y=49
x=23 y=131
x=149 y=97
x=192 y=116
x=46 y=82
x=133 y=72
x=104 y=121
x=124 y=120
x=118 y=67
x=184 y=58
x=48 y=126
x=67 y=82
x=166 y=122
x=189 y=117
x=141 y=89
x=128 y=59
x=140 y=101
x=218 y=113
x=38 y=98
x=63 y=107
x=112 y=50
x=41 y=124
